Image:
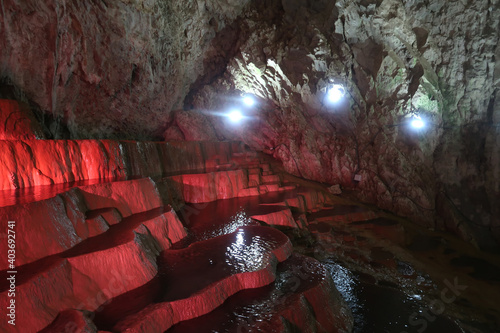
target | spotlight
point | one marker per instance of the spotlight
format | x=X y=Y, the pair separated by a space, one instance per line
x=249 y=100
x=335 y=93
x=417 y=123
x=235 y=116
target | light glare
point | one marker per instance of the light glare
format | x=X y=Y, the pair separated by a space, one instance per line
x=235 y=116
x=417 y=123
x=336 y=93
x=248 y=100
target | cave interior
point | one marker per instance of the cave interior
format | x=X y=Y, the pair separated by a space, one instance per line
x=250 y=166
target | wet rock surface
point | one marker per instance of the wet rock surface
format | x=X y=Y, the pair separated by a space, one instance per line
x=294 y=258
x=292 y=298
x=113 y=256
x=396 y=277
x=196 y=280
x=46 y=162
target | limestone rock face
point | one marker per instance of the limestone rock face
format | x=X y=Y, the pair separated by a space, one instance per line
x=109 y=68
x=72 y=320
x=17 y=122
x=46 y=162
x=121 y=68
x=396 y=60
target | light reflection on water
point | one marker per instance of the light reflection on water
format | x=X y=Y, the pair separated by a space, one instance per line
x=376 y=308
x=346 y=284
x=41 y=192
x=248 y=253
x=240 y=219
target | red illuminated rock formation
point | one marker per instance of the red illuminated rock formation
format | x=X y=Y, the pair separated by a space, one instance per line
x=40 y=162
x=52 y=286
x=307 y=302
x=114 y=271
x=54 y=225
x=212 y=186
x=128 y=197
x=83 y=282
x=283 y=217
x=165 y=229
x=162 y=316
x=249 y=262
x=88 y=280
x=299 y=203
x=48 y=227
x=248 y=192
x=313 y=199
x=72 y=321
x=91 y=248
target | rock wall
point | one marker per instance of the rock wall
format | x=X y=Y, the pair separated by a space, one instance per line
x=118 y=69
x=18 y=122
x=45 y=162
x=396 y=59
x=108 y=69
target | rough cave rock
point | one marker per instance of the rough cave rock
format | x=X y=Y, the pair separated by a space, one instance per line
x=162 y=69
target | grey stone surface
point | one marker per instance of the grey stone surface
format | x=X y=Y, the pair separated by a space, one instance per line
x=118 y=69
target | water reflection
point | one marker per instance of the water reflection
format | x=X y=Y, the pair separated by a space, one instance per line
x=42 y=192
x=382 y=309
x=249 y=253
x=239 y=219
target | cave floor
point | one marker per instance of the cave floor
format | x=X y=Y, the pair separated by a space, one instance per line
x=393 y=275
x=398 y=277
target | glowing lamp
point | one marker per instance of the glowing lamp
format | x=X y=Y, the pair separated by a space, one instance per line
x=335 y=93
x=235 y=116
x=417 y=123
x=248 y=100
